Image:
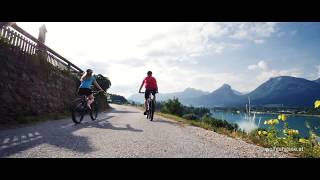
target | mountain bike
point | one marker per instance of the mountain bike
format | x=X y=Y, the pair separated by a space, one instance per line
x=80 y=108
x=150 y=106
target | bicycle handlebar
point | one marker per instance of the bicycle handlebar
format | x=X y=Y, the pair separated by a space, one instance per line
x=97 y=92
x=144 y=92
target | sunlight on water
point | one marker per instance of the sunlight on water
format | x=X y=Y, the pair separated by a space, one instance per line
x=247 y=126
x=247 y=123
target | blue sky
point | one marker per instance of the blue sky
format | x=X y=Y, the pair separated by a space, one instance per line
x=181 y=55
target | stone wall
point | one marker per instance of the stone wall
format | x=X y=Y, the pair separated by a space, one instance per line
x=30 y=86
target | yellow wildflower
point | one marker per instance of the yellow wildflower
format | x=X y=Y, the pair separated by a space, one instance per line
x=272 y=122
x=317 y=104
x=304 y=141
x=282 y=117
x=275 y=121
x=261 y=133
x=291 y=132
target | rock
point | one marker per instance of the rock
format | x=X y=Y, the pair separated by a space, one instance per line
x=7 y=97
x=32 y=86
x=25 y=77
x=4 y=74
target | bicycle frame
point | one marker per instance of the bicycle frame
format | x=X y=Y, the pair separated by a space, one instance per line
x=84 y=98
x=150 y=101
x=151 y=97
x=84 y=108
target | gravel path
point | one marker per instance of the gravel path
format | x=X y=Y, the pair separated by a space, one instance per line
x=123 y=132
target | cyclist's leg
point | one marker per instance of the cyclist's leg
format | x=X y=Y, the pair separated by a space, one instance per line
x=146 y=96
x=154 y=95
x=90 y=100
x=83 y=95
x=154 y=100
x=145 y=105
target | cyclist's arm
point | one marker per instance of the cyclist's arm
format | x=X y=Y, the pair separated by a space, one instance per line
x=141 y=86
x=81 y=79
x=156 y=85
x=97 y=85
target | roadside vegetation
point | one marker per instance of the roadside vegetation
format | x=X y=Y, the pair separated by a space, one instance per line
x=271 y=137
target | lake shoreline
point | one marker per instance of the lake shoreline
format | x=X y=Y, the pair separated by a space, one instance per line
x=256 y=112
x=308 y=115
x=296 y=121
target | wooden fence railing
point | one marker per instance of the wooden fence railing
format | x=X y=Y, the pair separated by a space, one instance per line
x=17 y=37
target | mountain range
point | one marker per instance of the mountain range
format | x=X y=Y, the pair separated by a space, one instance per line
x=317 y=81
x=188 y=93
x=282 y=90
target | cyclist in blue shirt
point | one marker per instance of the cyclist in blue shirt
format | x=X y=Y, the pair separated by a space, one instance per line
x=85 y=87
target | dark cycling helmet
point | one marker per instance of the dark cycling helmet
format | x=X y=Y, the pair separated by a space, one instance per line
x=89 y=70
x=149 y=72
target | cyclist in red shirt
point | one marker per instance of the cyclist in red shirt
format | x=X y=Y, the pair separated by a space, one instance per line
x=151 y=87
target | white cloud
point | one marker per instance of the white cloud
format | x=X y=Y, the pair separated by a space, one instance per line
x=265 y=72
x=255 y=32
x=260 y=65
x=253 y=67
x=315 y=74
x=124 y=52
x=294 y=32
x=186 y=41
x=190 y=40
x=259 y=41
x=280 y=34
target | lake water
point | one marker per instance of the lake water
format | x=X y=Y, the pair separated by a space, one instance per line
x=294 y=121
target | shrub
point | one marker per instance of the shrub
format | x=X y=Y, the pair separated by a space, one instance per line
x=190 y=116
x=173 y=106
x=219 y=123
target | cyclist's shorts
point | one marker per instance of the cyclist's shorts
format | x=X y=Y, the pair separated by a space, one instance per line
x=147 y=93
x=84 y=91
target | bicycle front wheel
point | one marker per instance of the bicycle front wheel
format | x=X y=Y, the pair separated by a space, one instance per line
x=94 y=111
x=78 y=113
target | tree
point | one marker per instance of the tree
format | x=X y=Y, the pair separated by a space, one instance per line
x=104 y=82
x=173 y=107
x=118 y=99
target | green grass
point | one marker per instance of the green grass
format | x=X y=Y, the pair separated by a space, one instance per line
x=252 y=138
x=204 y=125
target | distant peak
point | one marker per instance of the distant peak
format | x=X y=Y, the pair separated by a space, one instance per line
x=189 y=89
x=224 y=87
x=227 y=86
x=282 y=77
x=192 y=90
x=287 y=79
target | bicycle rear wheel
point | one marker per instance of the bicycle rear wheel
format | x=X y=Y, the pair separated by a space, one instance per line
x=151 y=109
x=148 y=109
x=78 y=113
